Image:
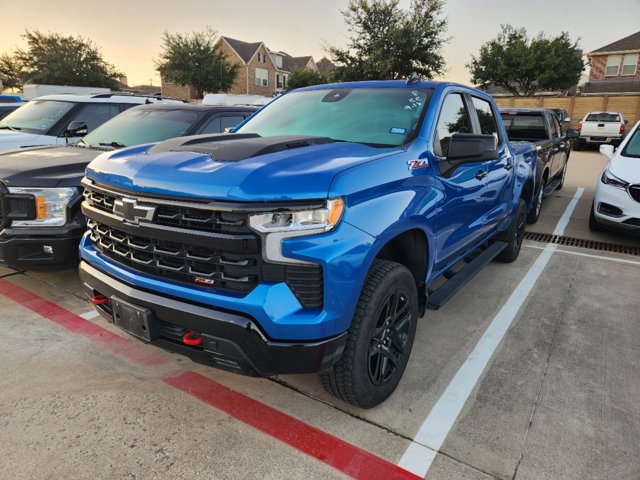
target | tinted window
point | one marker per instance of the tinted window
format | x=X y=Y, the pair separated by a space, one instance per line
x=556 y=130
x=603 y=117
x=523 y=127
x=212 y=126
x=383 y=117
x=485 y=117
x=37 y=116
x=454 y=118
x=633 y=146
x=95 y=115
x=230 y=122
x=220 y=123
x=144 y=125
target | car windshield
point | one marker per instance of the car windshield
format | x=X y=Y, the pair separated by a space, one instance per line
x=603 y=117
x=36 y=116
x=142 y=125
x=380 y=117
x=633 y=145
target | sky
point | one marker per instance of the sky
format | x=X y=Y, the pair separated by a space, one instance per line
x=129 y=32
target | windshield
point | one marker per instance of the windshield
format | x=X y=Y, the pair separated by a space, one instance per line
x=380 y=117
x=603 y=117
x=142 y=125
x=633 y=145
x=36 y=116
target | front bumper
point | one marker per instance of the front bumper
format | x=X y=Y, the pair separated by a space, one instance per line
x=33 y=250
x=627 y=220
x=231 y=341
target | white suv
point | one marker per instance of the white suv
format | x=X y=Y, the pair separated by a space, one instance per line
x=54 y=119
x=617 y=201
x=600 y=127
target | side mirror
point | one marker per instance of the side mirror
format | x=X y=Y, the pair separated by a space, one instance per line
x=76 y=129
x=572 y=133
x=607 y=151
x=466 y=147
x=567 y=119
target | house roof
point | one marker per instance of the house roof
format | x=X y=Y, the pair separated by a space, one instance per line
x=290 y=63
x=325 y=65
x=246 y=50
x=625 y=85
x=630 y=43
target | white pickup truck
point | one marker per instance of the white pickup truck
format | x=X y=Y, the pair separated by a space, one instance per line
x=597 y=128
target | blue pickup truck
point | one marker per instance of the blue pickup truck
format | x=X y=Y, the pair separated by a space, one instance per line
x=313 y=237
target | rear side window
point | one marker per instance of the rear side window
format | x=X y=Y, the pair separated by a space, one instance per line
x=555 y=131
x=453 y=119
x=522 y=127
x=603 y=118
x=96 y=114
x=485 y=117
x=633 y=146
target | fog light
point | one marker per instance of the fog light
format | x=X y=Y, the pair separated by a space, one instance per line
x=47 y=249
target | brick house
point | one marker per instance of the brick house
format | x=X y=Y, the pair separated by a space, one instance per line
x=262 y=71
x=615 y=68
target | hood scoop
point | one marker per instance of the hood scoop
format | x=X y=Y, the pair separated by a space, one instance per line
x=234 y=147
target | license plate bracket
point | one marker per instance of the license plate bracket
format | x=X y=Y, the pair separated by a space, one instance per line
x=137 y=321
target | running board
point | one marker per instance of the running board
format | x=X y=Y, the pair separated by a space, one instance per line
x=552 y=187
x=439 y=297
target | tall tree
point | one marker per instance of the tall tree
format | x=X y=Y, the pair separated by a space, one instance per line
x=194 y=59
x=55 y=59
x=304 y=77
x=12 y=70
x=388 y=42
x=523 y=65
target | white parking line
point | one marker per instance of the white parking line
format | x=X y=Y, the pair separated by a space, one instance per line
x=89 y=315
x=564 y=220
x=597 y=257
x=434 y=430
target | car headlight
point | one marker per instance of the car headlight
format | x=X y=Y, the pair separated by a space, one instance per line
x=276 y=226
x=610 y=179
x=50 y=206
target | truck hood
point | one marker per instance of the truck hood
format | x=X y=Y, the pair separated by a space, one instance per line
x=46 y=166
x=626 y=168
x=300 y=173
x=10 y=140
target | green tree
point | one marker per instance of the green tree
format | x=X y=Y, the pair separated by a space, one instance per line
x=11 y=69
x=304 y=77
x=194 y=59
x=523 y=65
x=55 y=59
x=388 y=42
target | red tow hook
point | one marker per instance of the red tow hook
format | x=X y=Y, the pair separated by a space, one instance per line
x=99 y=300
x=192 y=338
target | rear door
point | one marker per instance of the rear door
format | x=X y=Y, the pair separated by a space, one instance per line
x=459 y=221
x=498 y=187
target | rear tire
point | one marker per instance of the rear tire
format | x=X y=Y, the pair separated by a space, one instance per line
x=536 y=207
x=514 y=235
x=379 y=340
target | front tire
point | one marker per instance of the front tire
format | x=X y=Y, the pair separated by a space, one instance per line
x=514 y=235
x=379 y=340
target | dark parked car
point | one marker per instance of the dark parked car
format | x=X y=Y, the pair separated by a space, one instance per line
x=8 y=103
x=541 y=126
x=40 y=191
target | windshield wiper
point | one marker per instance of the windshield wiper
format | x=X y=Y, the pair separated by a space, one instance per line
x=13 y=129
x=112 y=144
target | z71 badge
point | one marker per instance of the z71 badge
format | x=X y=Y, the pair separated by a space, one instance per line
x=418 y=164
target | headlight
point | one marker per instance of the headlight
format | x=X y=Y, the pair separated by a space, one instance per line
x=320 y=220
x=610 y=179
x=50 y=206
x=276 y=226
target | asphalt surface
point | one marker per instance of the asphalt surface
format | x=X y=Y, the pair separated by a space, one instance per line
x=554 y=394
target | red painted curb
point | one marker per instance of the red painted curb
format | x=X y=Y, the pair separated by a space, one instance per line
x=331 y=450
x=76 y=324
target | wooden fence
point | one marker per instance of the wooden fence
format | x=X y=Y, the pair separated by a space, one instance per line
x=578 y=107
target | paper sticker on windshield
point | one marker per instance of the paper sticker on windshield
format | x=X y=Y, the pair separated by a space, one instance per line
x=397 y=130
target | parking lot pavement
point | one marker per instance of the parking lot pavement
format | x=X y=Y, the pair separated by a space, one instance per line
x=557 y=398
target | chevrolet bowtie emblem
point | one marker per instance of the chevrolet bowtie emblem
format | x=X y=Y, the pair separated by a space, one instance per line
x=128 y=209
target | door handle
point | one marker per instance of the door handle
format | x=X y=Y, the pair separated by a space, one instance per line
x=481 y=174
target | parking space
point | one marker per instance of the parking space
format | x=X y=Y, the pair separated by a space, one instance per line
x=528 y=373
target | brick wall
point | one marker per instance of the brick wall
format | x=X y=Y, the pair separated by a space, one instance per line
x=598 y=64
x=268 y=65
x=178 y=91
x=578 y=107
x=240 y=84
